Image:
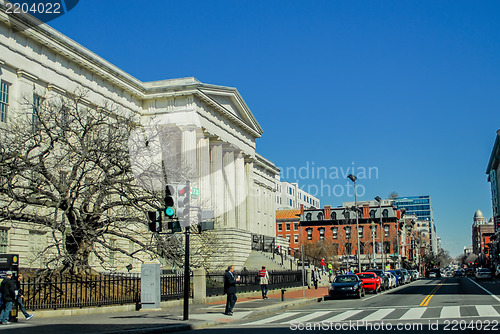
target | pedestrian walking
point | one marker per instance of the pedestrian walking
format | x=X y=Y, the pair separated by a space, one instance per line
x=264 y=281
x=322 y=262
x=8 y=290
x=20 y=297
x=230 y=289
x=315 y=278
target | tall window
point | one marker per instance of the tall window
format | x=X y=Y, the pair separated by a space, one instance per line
x=296 y=238
x=348 y=248
x=37 y=100
x=309 y=234
x=322 y=233
x=288 y=226
x=280 y=227
x=348 y=232
x=295 y=226
x=360 y=231
x=361 y=247
x=4 y=100
x=3 y=241
x=386 y=231
x=335 y=232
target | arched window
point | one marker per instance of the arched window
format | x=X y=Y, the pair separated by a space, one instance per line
x=333 y=215
x=385 y=213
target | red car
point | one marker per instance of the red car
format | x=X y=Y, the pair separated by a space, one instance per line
x=370 y=281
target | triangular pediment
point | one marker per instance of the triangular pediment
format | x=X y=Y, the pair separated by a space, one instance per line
x=231 y=101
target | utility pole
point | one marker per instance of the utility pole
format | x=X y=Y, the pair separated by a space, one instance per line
x=187 y=282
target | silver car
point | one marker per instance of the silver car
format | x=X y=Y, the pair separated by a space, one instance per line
x=484 y=273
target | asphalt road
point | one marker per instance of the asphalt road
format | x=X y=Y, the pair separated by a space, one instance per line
x=441 y=305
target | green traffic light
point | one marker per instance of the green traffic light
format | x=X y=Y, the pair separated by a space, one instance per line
x=169 y=211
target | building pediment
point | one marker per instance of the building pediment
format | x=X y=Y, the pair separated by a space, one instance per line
x=229 y=100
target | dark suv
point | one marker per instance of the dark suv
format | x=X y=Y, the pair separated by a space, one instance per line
x=384 y=280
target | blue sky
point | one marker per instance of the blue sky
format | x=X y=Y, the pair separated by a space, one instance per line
x=410 y=88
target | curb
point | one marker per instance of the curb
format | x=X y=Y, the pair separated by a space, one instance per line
x=153 y=330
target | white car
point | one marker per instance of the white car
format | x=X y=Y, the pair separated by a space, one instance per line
x=392 y=279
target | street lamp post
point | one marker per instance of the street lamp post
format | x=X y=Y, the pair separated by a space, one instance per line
x=353 y=179
x=374 y=230
x=379 y=200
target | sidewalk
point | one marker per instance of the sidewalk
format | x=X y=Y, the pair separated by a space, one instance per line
x=167 y=319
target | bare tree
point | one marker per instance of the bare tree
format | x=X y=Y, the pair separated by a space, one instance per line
x=65 y=168
x=393 y=195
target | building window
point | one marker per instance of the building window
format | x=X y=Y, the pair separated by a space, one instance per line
x=309 y=234
x=290 y=202
x=288 y=238
x=360 y=231
x=333 y=215
x=280 y=227
x=374 y=231
x=37 y=100
x=387 y=247
x=296 y=238
x=385 y=213
x=348 y=232
x=3 y=241
x=386 y=231
x=361 y=247
x=288 y=226
x=4 y=100
x=295 y=226
x=348 y=248
x=322 y=233
x=335 y=232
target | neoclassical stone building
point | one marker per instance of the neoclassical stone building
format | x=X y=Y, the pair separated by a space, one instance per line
x=220 y=145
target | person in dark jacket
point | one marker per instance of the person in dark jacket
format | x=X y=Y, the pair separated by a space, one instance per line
x=8 y=289
x=230 y=289
x=20 y=297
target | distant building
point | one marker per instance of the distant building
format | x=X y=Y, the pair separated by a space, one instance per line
x=493 y=172
x=421 y=207
x=481 y=234
x=290 y=196
x=287 y=227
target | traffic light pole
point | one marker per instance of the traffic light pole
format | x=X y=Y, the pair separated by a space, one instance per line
x=187 y=282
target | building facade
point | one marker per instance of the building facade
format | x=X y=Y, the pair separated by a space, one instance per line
x=421 y=207
x=217 y=132
x=290 y=196
x=482 y=231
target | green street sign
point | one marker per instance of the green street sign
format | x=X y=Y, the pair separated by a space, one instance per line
x=195 y=192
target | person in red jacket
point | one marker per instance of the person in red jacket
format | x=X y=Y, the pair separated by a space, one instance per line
x=323 y=266
x=264 y=281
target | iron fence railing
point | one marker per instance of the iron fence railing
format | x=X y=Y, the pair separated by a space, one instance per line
x=250 y=281
x=59 y=292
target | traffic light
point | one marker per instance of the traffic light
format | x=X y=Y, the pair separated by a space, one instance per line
x=174 y=225
x=154 y=223
x=183 y=202
x=169 y=202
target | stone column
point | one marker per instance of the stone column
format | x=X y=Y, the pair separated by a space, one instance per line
x=203 y=159
x=217 y=180
x=241 y=192
x=188 y=155
x=199 y=286
x=251 y=223
x=230 y=186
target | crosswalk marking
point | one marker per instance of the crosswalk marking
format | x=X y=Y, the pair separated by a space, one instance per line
x=414 y=313
x=344 y=315
x=450 y=312
x=486 y=311
x=275 y=318
x=377 y=315
x=310 y=316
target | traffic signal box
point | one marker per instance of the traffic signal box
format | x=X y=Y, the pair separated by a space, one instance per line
x=169 y=202
x=154 y=223
x=183 y=206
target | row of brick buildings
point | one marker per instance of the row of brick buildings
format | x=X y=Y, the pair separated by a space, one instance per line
x=387 y=237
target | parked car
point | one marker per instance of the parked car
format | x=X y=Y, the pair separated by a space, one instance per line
x=346 y=285
x=415 y=275
x=458 y=273
x=392 y=279
x=406 y=275
x=370 y=281
x=384 y=280
x=399 y=276
x=469 y=272
x=484 y=273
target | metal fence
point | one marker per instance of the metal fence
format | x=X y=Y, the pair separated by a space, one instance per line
x=250 y=281
x=96 y=290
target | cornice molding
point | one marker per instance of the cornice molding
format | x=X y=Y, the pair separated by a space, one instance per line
x=24 y=74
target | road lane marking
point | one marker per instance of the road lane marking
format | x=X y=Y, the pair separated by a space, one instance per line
x=414 y=313
x=486 y=311
x=310 y=316
x=427 y=299
x=342 y=316
x=271 y=319
x=492 y=295
x=450 y=312
x=378 y=315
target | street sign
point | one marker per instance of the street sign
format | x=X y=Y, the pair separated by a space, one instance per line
x=195 y=192
x=306 y=263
